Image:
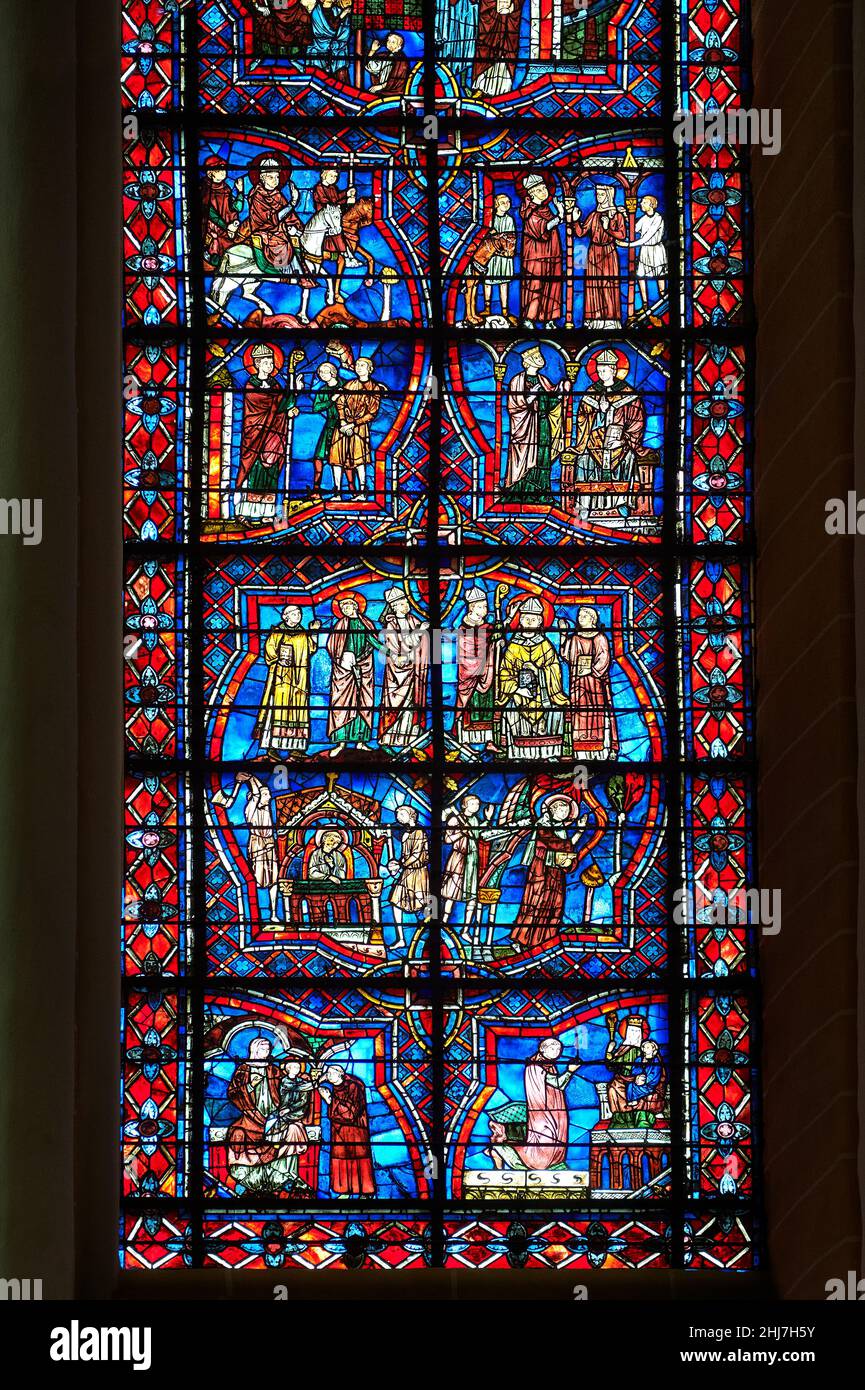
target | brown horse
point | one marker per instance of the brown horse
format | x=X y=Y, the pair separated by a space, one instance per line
x=355 y=217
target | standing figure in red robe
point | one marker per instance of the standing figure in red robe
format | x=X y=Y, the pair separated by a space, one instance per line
x=281 y=27
x=550 y=855
x=267 y=409
x=497 y=46
x=474 y=711
x=587 y=652
x=351 y=646
x=605 y=228
x=221 y=209
x=541 y=255
x=351 y=1170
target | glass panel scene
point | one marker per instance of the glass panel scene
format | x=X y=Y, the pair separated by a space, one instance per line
x=438 y=667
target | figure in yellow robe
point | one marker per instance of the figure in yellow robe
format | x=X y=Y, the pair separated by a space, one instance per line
x=351 y=451
x=283 y=716
x=530 y=689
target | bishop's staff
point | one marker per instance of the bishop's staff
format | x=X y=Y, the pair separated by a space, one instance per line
x=569 y=453
x=293 y=385
x=351 y=190
x=629 y=176
x=569 y=202
x=498 y=639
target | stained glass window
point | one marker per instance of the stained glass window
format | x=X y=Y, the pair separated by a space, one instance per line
x=437 y=941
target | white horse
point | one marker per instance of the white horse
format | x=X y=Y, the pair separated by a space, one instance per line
x=324 y=223
x=330 y=221
x=244 y=268
x=241 y=270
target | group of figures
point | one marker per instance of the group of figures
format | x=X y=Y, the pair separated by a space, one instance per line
x=345 y=400
x=273 y=1130
x=605 y=466
x=293 y=440
x=635 y=1094
x=349 y=868
x=479 y=41
x=399 y=718
x=628 y=1144
x=512 y=696
x=433 y=316
x=263 y=235
x=266 y=225
x=334 y=879
x=284 y=1109
x=482 y=41
x=321 y=33
x=553 y=229
x=552 y=842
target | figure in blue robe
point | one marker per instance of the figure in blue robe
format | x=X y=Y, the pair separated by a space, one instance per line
x=331 y=37
x=647 y=1082
x=456 y=27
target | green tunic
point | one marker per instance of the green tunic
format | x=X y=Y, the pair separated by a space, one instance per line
x=360 y=642
x=536 y=485
x=324 y=403
x=574 y=32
